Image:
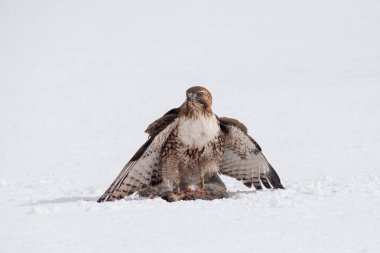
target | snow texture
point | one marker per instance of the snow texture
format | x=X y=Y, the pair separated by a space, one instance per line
x=81 y=80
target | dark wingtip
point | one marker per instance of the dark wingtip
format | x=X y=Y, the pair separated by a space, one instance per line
x=274 y=179
x=102 y=199
x=248 y=184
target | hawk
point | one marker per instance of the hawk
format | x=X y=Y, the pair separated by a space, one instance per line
x=189 y=146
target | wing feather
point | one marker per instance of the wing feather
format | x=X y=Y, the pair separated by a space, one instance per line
x=143 y=168
x=160 y=124
x=244 y=160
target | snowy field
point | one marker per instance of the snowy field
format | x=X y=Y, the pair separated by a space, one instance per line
x=81 y=80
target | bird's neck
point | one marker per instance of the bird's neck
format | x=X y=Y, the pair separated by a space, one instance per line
x=193 y=110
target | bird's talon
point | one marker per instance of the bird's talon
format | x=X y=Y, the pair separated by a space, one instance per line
x=171 y=197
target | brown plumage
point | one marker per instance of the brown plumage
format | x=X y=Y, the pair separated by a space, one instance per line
x=187 y=147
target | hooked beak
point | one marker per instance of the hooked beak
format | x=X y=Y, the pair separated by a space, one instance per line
x=190 y=98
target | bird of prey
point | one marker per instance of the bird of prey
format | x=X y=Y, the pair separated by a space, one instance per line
x=187 y=148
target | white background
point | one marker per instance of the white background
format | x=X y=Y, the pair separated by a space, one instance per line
x=81 y=80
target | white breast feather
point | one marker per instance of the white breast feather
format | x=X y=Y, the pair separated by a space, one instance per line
x=198 y=132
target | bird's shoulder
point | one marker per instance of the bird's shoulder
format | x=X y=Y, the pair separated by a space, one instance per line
x=225 y=121
x=160 y=124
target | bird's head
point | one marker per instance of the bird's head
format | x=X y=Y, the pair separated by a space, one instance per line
x=198 y=101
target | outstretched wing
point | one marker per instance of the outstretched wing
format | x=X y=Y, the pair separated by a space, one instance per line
x=243 y=158
x=142 y=169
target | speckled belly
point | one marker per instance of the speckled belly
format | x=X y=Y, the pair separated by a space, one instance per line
x=185 y=164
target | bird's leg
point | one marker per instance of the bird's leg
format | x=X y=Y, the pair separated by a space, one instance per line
x=202 y=180
x=207 y=167
x=202 y=170
x=177 y=189
x=171 y=173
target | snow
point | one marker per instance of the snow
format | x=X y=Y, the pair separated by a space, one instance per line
x=81 y=80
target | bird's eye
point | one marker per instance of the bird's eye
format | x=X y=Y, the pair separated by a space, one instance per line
x=199 y=94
